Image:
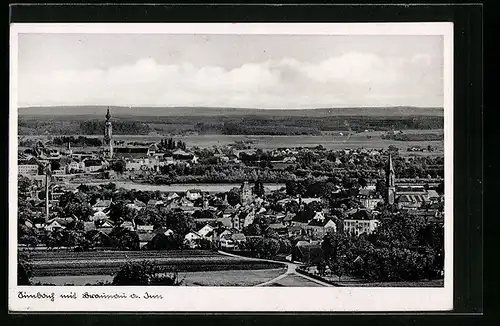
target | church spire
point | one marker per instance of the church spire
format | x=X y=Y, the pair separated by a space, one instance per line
x=108 y=115
x=390 y=181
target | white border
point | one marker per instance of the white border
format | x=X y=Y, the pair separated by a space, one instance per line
x=234 y=299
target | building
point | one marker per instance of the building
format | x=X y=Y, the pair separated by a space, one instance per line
x=193 y=194
x=358 y=227
x=108 y=137
x=245 y=193
x=368 y=198
x=390 y=179
x=93 y=165
x=242 y=219
x=131 y=153
x=192 y=240
x=307 y=252
x=27 y=169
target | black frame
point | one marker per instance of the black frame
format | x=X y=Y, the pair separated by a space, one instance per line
x=468 y=151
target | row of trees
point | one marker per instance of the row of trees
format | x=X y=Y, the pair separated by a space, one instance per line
x=403 y=248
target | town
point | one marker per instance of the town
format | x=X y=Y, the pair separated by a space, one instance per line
x=369 y=214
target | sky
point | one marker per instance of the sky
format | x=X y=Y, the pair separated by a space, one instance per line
x=249 y=71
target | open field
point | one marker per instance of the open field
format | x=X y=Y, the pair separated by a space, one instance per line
x=230 y=277
x=66 y=263
x=329 y=141
x=206 y=278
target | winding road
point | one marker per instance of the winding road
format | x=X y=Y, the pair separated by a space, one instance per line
x=291 y=278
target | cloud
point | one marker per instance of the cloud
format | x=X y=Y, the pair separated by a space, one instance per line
x=357 y=79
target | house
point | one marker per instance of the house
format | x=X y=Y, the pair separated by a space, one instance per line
x=317 y=229
x=99 y=238
x=358 y=227
x=89 y=226
x=137 y=205
x=368 y=198
x=104 y=223
x=307 y=252
x=279 y=228
x=410 y=201
x=99 y=215
x=228 y=212
x=27 y=169
x=145 y=228
x=191 y=240
x=101 y=205
x=128 y=225
x=136 y=152
x=163 y=230
x=287 y=220
x=433 y=196
x=242 y=219
x=294 y=231
x=172 y=196
x=193 y=194
x=238 y=238
x=152 y=203
x=145 y=238
x=227 y=244
x=53 y=225
x=92 y=165
x=204 y=231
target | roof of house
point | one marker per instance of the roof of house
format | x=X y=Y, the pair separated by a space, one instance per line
x=145 y=227
x=318 y=222
x=63 y=221
x=106 y=230
x=103 y=203
x=432 y=193
x=146 y=237
x=88 y=226
x=359 y=214
x=411 y=199
x=127 y=224
x=277 y=226
x=92 y=163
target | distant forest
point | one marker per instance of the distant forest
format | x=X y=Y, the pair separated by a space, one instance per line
x=229 y=125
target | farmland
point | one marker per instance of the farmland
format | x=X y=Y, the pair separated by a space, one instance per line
x=67 y=263
x=333 y=141
x=250 y=277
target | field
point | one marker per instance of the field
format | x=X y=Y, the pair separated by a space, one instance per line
x=369 y=140
x=208 y=278
x=67 y=263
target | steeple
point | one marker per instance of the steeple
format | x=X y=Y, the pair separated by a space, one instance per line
x=108 y=115
x=390 y=176
x=108 y=133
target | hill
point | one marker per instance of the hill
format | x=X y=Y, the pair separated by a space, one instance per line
x=122 y=111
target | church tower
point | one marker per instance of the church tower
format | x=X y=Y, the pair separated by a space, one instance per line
x=108 y=140
x=390 y=180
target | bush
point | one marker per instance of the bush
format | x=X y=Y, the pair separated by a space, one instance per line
x=145 y=273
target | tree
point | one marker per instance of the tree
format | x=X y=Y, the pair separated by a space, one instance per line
x=362 y=182
x=124 y=239
x=119 y=166
x=24 y=271
x=233 y=197
x=259 y=189
x=253 y=229
x=145 y=273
